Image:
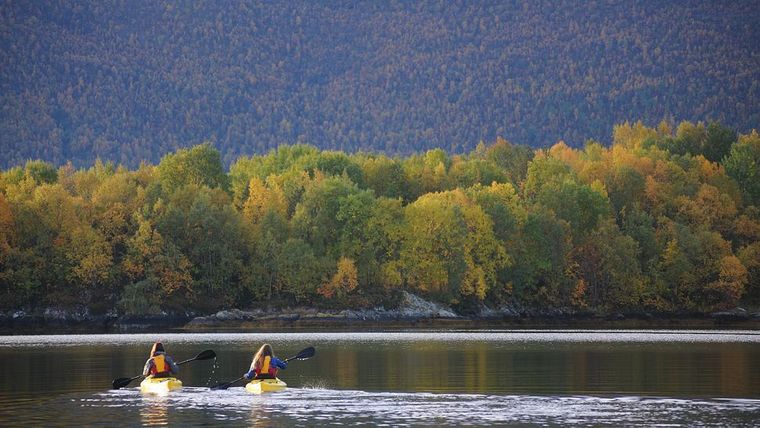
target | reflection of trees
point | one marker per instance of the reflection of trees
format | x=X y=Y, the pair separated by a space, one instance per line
x=347 y=364
x=654 y=369
x=737 y=373
x=576 y=368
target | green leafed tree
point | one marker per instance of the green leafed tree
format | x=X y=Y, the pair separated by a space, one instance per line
x=385 y=177
x=199 y=166
x=449 y=248
x=541 y=256
x=608 y=265
x=204 y=226
x=299 y=271
x=743 y=165
x=41 y=172
x=159 y=275
x=318 y=218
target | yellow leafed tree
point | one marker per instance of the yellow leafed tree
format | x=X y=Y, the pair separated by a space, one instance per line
x=343 y=282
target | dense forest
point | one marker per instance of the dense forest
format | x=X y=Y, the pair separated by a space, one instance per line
x=128 y=81
x=667 y=219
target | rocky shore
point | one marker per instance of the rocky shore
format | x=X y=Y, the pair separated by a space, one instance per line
x=413 y=312
x=81 y=320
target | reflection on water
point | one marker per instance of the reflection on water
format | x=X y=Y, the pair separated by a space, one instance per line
x=314 y=407
x=428 y=378
x=154 y=410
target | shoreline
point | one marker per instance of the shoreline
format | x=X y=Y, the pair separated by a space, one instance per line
x=288 y=321
x=413 y=313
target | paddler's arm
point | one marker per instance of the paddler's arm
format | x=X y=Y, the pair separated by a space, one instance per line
x=279 y=363
x=249 y=375
x=172 y=365
x=146 y=369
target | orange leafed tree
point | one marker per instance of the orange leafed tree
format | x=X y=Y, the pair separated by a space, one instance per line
x=343 y=282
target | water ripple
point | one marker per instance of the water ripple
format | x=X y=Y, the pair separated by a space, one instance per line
x=309 y=407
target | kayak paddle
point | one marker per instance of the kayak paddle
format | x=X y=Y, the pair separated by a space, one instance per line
x=305 y=354
x=124 y=381
x=205 y=355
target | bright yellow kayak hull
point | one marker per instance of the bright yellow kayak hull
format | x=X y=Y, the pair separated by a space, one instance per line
x=260 y=386
x=159 y=385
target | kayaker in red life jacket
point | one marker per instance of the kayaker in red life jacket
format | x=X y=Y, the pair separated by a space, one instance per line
x=159 y=364
x=265 y=364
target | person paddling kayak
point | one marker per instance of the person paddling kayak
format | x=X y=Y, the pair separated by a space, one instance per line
x=265 y=365
x=159 y=364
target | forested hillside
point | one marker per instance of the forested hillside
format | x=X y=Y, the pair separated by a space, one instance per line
x=665 y=220
x=133 y=80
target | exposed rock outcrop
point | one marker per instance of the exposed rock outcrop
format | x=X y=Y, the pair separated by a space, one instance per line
x=412 y=308
x=736 y=314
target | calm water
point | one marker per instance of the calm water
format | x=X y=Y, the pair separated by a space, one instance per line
x=585 y=378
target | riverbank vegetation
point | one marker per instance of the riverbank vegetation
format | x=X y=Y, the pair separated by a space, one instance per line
x=666 y=219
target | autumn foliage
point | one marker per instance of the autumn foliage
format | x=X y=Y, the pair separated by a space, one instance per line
x=132 y=81
x=665 y=219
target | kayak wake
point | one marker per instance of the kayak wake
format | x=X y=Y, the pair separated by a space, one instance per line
x=308 y=406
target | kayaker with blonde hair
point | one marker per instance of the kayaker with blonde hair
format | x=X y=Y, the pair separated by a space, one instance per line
x=265 y=364
x=159 y=364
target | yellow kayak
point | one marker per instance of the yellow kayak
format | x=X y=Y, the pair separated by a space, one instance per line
x=258 y=386
x=160 y=385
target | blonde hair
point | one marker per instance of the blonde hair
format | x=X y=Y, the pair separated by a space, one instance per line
x=157 y=347
x=258 y=357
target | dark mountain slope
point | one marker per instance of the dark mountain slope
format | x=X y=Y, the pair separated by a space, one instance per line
x=134 y=80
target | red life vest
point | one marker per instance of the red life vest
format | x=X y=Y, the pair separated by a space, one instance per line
x=159 y=366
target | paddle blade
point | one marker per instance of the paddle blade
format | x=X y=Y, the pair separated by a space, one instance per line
x=221 y=386
x=305 y=353
x=206 y=355
x=121 y=382
x=226 y=384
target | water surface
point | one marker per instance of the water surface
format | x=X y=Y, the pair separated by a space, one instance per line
x=554 y=378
